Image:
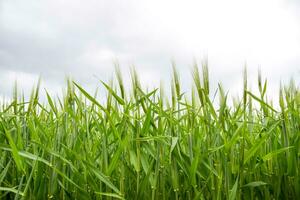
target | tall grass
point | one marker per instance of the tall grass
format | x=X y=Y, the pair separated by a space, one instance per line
x=143 y=145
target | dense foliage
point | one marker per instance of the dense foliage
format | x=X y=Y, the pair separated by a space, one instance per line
x=143 y=145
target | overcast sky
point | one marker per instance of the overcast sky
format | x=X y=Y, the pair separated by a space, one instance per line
x=58 y=38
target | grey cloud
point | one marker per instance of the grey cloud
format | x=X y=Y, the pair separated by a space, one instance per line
x=28 y=50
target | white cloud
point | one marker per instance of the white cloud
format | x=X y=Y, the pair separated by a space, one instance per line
x=10 y=78
x=82 y=38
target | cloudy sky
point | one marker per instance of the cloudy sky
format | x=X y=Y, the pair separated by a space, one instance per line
x=82 y=39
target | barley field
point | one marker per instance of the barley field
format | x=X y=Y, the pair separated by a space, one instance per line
x=143 y=144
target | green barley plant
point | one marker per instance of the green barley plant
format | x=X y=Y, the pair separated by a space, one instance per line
x=144 y=145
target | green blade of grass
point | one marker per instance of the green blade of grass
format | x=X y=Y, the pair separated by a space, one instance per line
x=7 y=189
x=255 y=184
x=18 y=160
x=119 y=99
